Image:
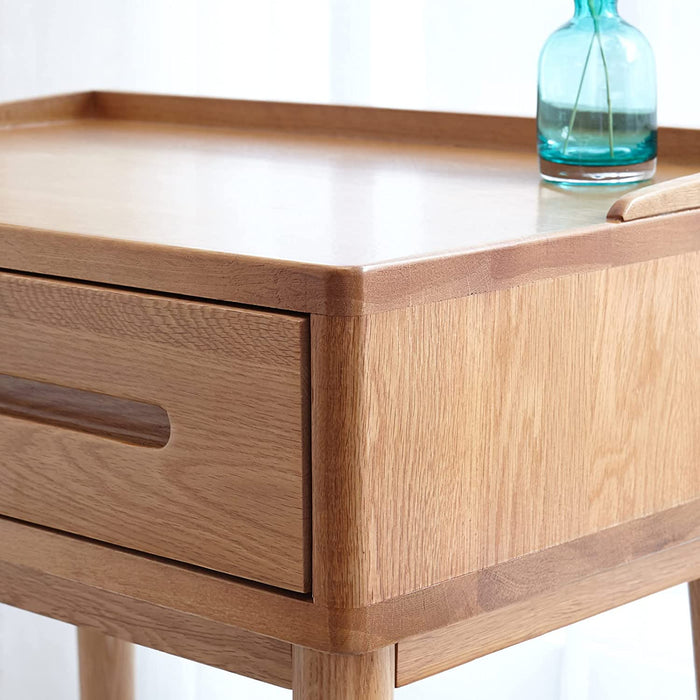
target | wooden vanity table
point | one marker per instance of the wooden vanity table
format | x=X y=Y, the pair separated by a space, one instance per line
x=335 y=398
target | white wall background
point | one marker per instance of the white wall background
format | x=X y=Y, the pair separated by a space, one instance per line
x=462 y=55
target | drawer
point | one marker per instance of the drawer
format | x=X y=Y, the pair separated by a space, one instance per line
x=168 y=426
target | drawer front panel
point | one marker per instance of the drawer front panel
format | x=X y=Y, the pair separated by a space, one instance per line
x=168 y=426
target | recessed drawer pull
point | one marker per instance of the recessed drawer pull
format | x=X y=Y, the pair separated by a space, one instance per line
x=111 y=417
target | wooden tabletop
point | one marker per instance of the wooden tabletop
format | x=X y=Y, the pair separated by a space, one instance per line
x=316 y=209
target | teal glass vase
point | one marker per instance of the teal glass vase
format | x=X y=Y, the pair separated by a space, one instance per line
x=596 y=107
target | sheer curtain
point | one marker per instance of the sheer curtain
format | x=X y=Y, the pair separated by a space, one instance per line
x=458 y=55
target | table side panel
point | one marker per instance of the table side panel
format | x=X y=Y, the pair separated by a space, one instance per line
x=197 y=613
x=451 y=437
x=532 y=616
x=227 y=492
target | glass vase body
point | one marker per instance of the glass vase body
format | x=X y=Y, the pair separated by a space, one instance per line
x=596 y=108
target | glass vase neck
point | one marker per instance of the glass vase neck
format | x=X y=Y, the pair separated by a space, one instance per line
x=600 y=7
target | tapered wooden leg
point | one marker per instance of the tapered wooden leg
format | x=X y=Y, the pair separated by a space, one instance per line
x=695 y=618
x=321 y=676
x=106 y=666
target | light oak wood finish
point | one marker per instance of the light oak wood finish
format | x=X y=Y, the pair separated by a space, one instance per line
x=106 y=666
x=47 y=110
x=502 y=384
x=133 y=422
x=321 y=676
x=228 y=490
x=522 y=599
x=694 y=593
x=451 y=437
x=159 y=627
x=394 y=125
x=364 y=210
x=632 y=559
x=203 y=616
x=181 y=610
x=676 y=195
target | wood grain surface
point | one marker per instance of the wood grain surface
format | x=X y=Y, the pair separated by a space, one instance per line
x=409 y=126
x=186 y=611
x=528 y=598
x=214 y=619
x=694 y=593
x=133 y=422
x=319 y=209
x=47 y=110
x=106 y=666
x=228 y=490
x=450 y=437
x=156 y=626
x=674 y=195
x=322 y=676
